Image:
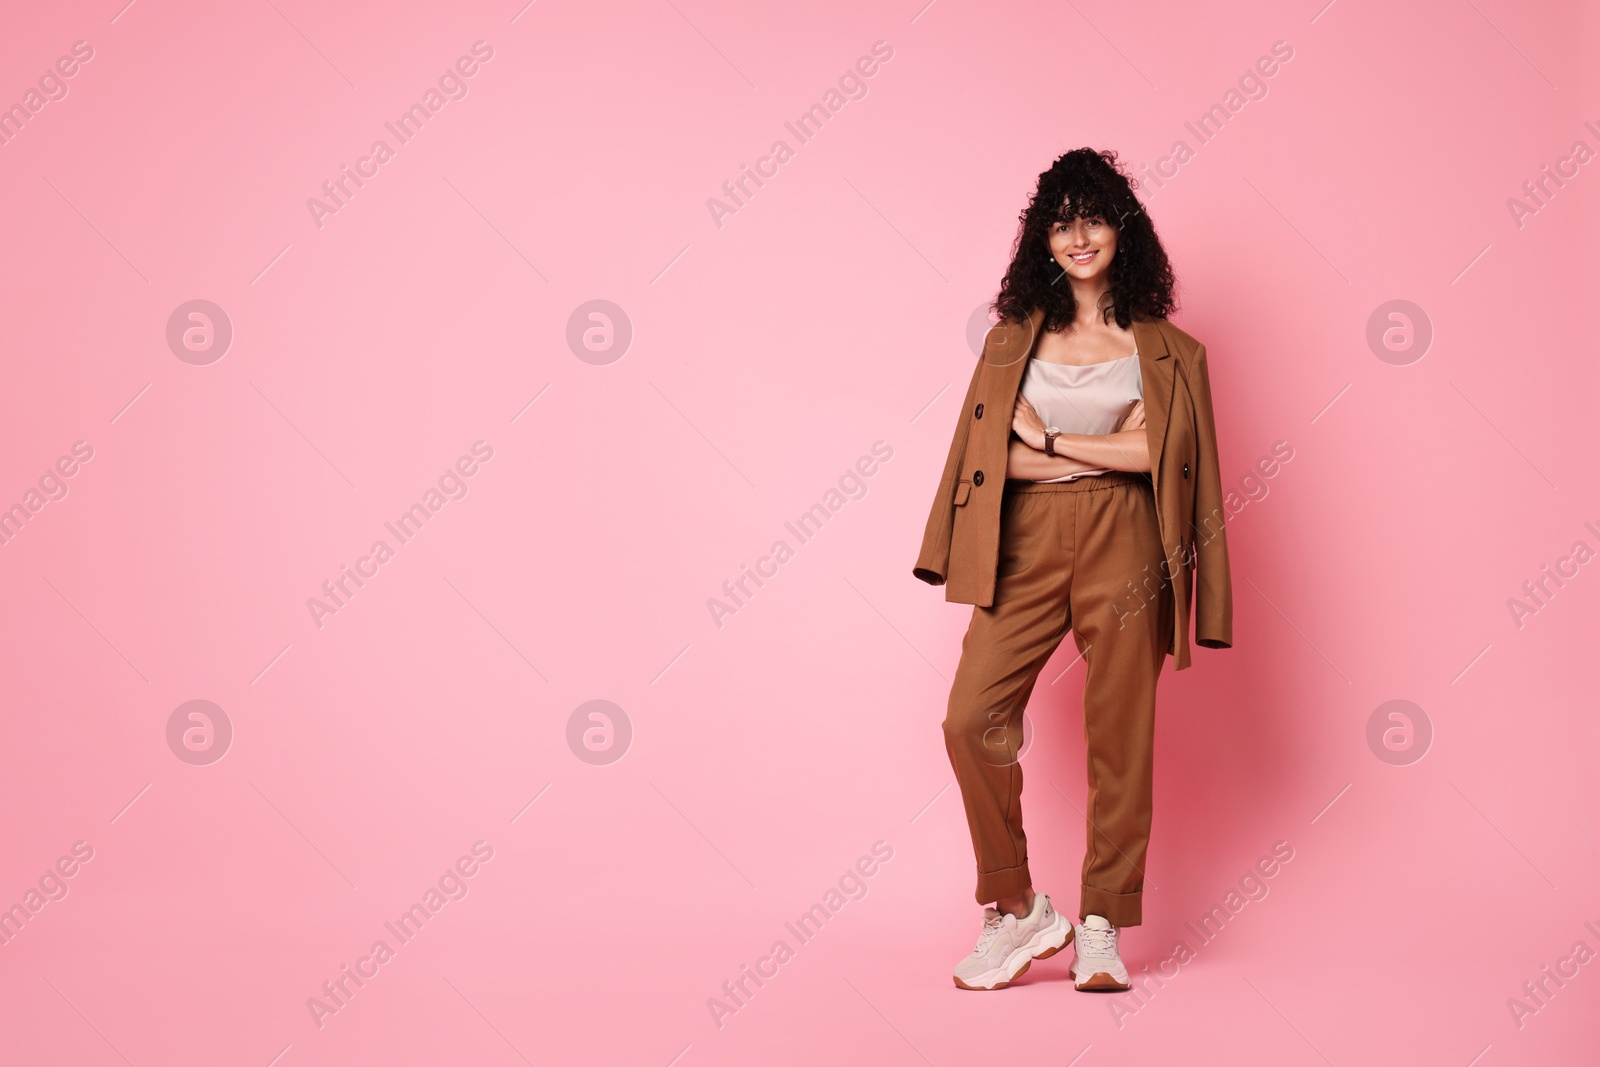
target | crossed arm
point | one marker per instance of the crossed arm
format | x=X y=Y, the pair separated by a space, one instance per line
x=1124 y=449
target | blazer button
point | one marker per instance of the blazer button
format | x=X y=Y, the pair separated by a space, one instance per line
x=977 y=477
x=977 y=412
x=1186 y=470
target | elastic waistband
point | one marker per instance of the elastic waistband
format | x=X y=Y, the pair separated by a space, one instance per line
x=1087 y=484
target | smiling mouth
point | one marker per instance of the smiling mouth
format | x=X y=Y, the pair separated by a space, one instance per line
x=1084 y=257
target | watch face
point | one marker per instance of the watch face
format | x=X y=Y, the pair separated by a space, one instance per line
x=1051 y=429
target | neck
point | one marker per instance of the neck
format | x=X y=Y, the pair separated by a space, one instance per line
x=1090 y=296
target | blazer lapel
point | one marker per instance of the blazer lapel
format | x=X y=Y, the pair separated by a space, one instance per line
x=1156 y=371
x=1012 y=342
x=1007 y=354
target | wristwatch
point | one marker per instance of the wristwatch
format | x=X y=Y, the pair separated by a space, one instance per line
x=1050 y=435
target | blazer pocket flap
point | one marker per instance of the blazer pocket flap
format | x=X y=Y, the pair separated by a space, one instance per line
x=963 y=490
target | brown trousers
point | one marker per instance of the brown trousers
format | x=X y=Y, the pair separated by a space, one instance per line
x=1084 y=555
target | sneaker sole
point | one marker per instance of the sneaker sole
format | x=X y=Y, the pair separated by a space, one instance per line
x=1027 y=955
x=1100 y=982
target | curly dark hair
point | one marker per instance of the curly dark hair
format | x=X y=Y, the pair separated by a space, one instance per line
x=1087 y=184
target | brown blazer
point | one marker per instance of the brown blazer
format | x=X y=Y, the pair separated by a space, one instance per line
x=961 y=545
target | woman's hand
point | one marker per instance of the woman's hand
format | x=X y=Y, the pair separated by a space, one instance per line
x=1134 y=419
x=1124 y=449
x=1027 y=424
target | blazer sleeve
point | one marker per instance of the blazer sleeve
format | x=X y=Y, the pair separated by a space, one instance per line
x=1213 y=594
x=933 y=561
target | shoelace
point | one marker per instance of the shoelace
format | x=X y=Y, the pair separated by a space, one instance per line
x=991 y=930
x=1098 y=942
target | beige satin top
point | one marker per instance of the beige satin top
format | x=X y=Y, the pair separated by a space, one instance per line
x=1084 y=400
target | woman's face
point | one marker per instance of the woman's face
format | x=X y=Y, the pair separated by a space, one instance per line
x=1083 y=247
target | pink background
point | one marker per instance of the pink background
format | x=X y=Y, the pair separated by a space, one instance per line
x=768 y=354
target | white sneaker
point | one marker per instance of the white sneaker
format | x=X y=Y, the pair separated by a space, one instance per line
x=1008 y=945
x=1096 y=965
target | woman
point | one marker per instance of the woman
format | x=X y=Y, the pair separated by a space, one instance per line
x=1095 y=506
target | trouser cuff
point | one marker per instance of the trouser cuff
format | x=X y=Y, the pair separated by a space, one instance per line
x=1010 y=882
x=1119 y=909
